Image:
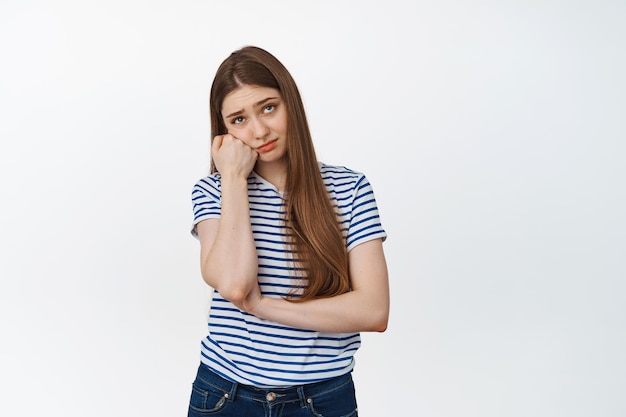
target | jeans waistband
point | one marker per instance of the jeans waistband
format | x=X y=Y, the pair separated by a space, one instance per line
x=301 y=393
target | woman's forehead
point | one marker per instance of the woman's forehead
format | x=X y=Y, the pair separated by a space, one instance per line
x=248 y=96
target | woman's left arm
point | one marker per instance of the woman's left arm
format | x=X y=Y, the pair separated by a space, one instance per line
x=365 y=308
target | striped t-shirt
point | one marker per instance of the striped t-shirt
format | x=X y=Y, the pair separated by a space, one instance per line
x=245 y=349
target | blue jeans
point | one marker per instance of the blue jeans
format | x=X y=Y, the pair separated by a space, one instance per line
x=212 y=395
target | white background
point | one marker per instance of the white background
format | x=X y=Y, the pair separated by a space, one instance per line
x=492 y=132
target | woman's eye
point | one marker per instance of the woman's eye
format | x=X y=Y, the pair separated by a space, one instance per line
x=237 y=120
x=269 y=108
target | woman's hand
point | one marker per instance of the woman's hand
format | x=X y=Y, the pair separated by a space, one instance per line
x=232 y=157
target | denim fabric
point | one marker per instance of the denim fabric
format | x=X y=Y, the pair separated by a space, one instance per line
x=211 y=395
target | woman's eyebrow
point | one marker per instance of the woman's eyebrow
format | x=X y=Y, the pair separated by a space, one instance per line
x=257 y=104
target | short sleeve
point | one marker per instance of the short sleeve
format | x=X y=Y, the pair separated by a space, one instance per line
x=365 y=224
x=206 y=199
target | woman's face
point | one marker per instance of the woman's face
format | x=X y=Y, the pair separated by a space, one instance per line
x=257 y=116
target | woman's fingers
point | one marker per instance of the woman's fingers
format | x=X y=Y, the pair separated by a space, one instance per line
x=217 y=143
x=233 y=156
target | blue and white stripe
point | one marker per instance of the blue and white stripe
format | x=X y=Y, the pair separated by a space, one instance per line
x=248 y=350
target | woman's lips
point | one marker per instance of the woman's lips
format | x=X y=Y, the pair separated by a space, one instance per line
x=267 y=147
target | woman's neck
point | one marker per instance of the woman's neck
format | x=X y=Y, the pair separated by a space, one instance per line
x=274 y=173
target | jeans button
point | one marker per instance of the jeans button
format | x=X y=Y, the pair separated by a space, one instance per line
x=270 y=396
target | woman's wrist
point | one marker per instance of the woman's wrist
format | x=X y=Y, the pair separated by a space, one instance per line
x=234 y=180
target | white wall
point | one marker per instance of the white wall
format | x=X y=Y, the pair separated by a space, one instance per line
x=493 y=134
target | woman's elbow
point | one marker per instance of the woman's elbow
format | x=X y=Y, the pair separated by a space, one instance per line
x=236 y=293
x=378 y=320
x=232 y=290
x=381 y=325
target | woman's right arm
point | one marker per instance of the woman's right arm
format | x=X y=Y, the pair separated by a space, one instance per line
x=228 y=258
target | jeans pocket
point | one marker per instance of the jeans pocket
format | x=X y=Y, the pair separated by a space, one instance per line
x=340 y=402
x=206 y=399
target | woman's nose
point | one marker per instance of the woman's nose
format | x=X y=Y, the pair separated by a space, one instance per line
x=259 y=129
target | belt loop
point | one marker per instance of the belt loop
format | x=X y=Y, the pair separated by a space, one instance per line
x=233 y=391
x=302 y=396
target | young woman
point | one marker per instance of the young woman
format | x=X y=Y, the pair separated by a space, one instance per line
x=292 y=248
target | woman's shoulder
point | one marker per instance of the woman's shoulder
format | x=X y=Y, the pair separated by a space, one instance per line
x=341 y=179
x=208 y=183
x=336 y=171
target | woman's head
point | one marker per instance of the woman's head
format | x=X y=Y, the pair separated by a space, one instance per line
x=253 y=66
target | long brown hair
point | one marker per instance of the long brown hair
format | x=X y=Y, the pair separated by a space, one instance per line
x=312 y=223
